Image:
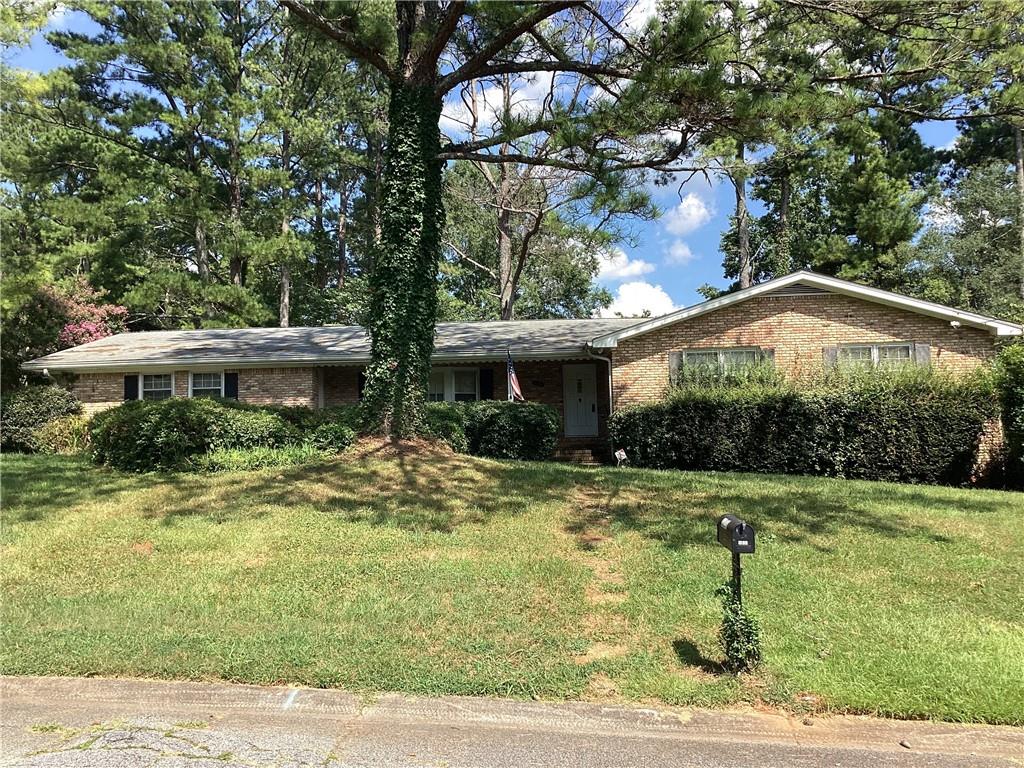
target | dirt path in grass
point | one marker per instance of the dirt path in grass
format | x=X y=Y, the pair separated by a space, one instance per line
x=589 y=522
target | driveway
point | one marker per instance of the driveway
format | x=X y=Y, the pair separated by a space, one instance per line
x=95 y=723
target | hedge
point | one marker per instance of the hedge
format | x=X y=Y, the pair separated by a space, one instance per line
x=24 y=411
x=143 y=435
x=496 y=429
x=66 y=435
x=1011 y=390
x=903 y=428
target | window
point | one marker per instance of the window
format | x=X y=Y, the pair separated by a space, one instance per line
x=716 y=360
x=157 y=386
x=454 y=385
x=207 y=385
x=872 y=355
x=435 y=391
x=464 y=385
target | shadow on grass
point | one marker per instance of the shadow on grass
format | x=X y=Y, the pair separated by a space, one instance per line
x=426 y=492
x=37 y=487
x=690 y=655
x=680 y=509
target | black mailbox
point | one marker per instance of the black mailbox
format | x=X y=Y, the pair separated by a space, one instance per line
x=735 y=535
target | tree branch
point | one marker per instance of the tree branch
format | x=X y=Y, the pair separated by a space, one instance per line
x=470 y=69
x=343 y=37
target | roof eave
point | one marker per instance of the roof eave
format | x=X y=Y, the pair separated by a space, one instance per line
x=993 y=325
x=103 y=366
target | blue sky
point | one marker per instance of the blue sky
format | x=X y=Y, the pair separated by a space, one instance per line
x=671 y=257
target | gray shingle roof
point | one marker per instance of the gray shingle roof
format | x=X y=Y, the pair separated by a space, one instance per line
x=325 y=345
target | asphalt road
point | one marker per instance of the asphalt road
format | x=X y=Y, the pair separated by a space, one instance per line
x=95 y=723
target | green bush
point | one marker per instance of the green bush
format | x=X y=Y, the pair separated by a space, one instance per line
x=142 y=435
x=234 y=427
x=1011 y=392
x=241 y=459
x=24 y=411
x=505 y=430
x=903 y=427
x=332 y=437
x=66 y=435
x=447 y=422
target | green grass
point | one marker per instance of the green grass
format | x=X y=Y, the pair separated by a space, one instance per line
x=448 y=574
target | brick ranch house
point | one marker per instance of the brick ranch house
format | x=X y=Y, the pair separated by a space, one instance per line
x=584 y=368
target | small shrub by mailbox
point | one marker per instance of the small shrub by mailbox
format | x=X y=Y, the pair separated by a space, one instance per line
x=736 y=535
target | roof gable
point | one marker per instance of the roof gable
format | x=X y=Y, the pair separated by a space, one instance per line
x=804 y=283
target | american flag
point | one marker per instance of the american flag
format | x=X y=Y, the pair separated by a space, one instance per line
x=514 y=390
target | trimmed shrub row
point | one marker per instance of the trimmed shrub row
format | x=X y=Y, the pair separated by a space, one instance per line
x=917 y=429
x=24 y=411
x=496 y=429
x=1011 y=386
x=173 y=434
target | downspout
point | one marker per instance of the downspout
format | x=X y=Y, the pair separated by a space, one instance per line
x=611 y=389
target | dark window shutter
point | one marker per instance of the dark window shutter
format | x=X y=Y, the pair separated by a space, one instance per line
x=922 y=354
x=767 y=356
x=361 y=385
x=831 y=356
x=486 y=383
x=674 y=361
x=231 y=386
x=131 y=387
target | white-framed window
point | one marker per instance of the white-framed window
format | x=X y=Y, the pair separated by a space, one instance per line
x=876 y=355
x=156 y=386
x=454 y=385
x=206 y=384
x=723 y=359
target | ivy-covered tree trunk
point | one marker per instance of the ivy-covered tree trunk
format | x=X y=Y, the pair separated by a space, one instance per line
x=403 y=301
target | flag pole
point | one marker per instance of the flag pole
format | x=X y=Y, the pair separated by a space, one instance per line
x=508 y=375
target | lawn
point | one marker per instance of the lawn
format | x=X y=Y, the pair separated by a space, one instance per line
x=437 y=574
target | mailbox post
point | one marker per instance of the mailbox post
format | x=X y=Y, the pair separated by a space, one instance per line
x=737 y=536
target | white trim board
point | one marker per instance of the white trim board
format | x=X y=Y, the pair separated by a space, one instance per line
x=832 y=284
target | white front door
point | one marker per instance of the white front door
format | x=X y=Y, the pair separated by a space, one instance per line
x=580 y=399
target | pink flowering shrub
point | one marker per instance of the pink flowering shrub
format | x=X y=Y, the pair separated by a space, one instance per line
x=86 y=319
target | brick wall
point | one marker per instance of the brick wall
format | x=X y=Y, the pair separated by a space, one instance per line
x=278 y=386
x=98 y=391
x=540 y=380
x=258 y=386
x=797 y=328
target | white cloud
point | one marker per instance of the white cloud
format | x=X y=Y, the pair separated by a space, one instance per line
x=679 y=253
x=634 y=298
x=691 y=213
x=616 y=265
x=527 y=97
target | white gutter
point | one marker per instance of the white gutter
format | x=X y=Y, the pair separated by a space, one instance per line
x=611 y=388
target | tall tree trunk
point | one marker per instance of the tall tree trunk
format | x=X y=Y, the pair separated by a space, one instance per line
x=284 y=307
x=403 y=283
x=321 y=243
x=236 y=264
x=202 y=251
x=343 y=235
x=746 y=266
x=1018 y=134
x=506 y=291
x=785 y=259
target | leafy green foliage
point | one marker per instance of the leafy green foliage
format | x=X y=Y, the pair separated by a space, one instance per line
x=331 y=437
x=260 y=457
x=64 y=436
x=403 y=307
x=447 y=422
x=1011 y=386
x=740 y=633
x=500 y=429
x=24 y=411
x=905 y=427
